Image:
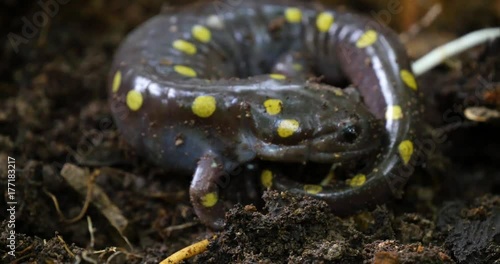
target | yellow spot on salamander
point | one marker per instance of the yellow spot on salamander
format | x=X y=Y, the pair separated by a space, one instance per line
x=184 y=46
x=409 y=79
x=287 y=127
x=277 y=76
x=293 y=15
x=134 y=100
x=117 y=81
x=367 y=39
x=394 y=112
x=312 y=188
x=209 y=199
x=201 y=33
x=324 y=21
x=357 y=180
x=266 y=178
x=204 y=106
x=185 y=70
x=297 y=67
x=405 y=151
x=273 y=106
x=215 y=21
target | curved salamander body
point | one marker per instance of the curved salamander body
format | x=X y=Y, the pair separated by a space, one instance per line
x=192 y=91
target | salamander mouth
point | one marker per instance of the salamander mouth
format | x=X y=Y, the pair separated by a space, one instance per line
x=308 y=151
x=329 y=157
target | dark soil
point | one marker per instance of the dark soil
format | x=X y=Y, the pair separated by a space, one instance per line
x=55 y=122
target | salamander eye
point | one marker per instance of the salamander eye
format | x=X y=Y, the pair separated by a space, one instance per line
x=349 y=133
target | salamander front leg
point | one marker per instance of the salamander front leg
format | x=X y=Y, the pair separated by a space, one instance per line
x=204 y=191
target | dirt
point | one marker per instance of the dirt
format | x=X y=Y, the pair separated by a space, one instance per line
x=56 y=123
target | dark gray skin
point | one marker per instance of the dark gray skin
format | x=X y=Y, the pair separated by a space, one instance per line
x=333 y=126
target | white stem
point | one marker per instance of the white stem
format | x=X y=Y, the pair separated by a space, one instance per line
x=450 y=49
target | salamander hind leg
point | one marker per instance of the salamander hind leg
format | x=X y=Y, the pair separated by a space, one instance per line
x=204 y=191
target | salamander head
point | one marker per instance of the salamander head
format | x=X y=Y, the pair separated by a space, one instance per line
x=319 y=124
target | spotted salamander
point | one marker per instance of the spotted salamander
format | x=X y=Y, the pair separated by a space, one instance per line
x=195 y=90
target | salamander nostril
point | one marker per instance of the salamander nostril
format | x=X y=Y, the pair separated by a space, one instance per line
x=349 y=134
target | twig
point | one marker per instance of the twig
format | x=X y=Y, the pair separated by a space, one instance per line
x=86 y=204
x=66 y=246
x=91 y=231
x=424 y=22
x=187 y=252
x=450 y=49
x=481 y=114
